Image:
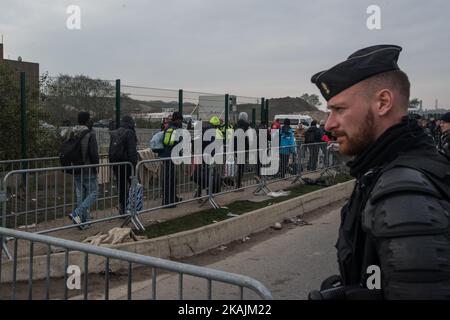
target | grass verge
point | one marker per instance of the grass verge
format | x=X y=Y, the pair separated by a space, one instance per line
x=239 y=207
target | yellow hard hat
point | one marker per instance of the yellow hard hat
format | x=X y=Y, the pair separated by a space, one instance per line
x=215 y=121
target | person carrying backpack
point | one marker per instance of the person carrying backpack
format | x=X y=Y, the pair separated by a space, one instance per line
x=80 y=148
x=123 y=148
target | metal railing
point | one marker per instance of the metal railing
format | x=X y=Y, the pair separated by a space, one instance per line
x=166 y=184
x=40 y=199
x=35 y=163
x=80 y=255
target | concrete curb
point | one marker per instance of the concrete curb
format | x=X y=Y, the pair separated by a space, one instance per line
x=187 y=243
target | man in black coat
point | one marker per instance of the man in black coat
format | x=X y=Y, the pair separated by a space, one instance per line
x=123 y=148
x=397 y=219
x=244 y=125
x=313 y=137
x=86 y=178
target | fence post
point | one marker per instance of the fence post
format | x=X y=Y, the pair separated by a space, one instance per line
x=211 y=181
x=117 y=103
x=180 y=101
x=267 y=112
x=298 y=176
x=254 y=116
x=227 y=106
x=23 y=114
x=263 y=103
x=3 y=199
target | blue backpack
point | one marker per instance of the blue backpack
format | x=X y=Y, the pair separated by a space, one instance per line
x=156 y=142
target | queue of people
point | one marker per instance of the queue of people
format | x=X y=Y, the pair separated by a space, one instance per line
x=123 y=148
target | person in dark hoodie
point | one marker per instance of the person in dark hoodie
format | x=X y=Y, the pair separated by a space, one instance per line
x=243 y=124
x=85 y=179
x=123 y=148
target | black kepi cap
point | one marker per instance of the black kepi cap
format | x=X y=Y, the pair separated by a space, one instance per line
x=359 y=66
x=446 y=117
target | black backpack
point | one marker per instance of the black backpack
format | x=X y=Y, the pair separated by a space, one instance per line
x=117 y=146
x=70 y=151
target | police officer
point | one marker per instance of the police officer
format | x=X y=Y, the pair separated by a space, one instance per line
x=169 y=141
x=398 y=215
x=444 y=145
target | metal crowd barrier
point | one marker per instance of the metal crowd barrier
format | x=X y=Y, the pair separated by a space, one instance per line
x=41 y=199
x=320 y=156
x=106 y=257
x=166 y=184
x=35 y=163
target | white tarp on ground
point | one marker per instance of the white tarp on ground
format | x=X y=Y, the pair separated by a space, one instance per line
x=114 y=236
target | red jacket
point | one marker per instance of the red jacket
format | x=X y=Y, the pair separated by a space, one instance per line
x=276 y=125
x=325 y=138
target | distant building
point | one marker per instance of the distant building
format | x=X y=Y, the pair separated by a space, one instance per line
x=30 y=68
x=429 y=113
x=151 y=116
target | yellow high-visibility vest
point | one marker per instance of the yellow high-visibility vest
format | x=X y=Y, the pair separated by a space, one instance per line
x=228 y=132
x=219 y=134
x=169 y=137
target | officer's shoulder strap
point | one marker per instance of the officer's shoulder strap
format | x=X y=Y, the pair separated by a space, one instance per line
x=404 y=202
x=433 y=166
x=402 y=179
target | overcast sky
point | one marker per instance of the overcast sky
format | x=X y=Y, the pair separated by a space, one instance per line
x=252 y=48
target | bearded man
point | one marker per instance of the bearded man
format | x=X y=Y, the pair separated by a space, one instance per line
x=397 y=219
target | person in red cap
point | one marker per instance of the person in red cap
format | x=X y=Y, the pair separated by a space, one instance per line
x=276 y=124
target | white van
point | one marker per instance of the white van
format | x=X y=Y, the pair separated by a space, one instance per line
x=187 y=118
x=295 y=119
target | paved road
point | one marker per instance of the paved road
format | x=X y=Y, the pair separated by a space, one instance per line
x=290 y=262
